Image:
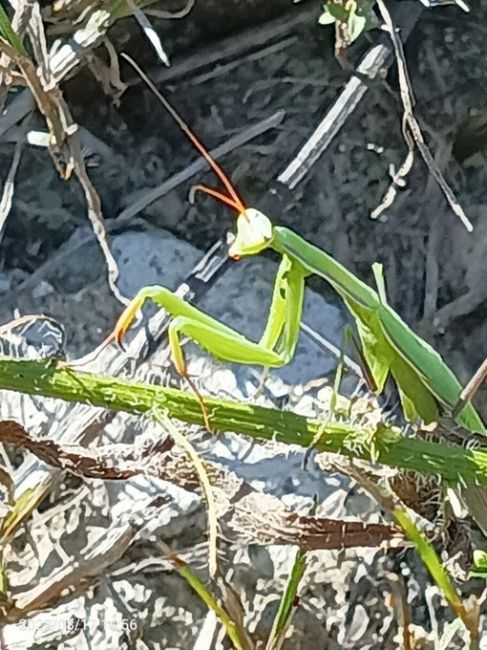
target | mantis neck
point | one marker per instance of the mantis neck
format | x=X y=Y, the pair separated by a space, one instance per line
x=316 y=261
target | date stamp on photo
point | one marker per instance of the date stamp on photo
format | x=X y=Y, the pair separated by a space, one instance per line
x=52 y=624
x=57 y=624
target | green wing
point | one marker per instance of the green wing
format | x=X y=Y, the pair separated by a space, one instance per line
x=423 y=379
x=432 y=372
x=375 y=347
x=383 y=359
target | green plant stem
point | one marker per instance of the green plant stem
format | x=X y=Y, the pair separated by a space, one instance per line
x=50 y=379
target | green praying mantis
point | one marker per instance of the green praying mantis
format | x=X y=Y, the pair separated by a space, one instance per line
x=426 y=385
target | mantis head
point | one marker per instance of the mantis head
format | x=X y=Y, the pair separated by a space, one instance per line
x=254 y=234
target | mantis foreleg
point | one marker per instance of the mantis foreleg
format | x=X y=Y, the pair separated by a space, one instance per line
x=274 y=349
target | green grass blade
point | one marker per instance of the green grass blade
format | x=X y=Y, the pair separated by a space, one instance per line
x=288 y=604
x=205 y=595
x=8 y=33
x=439 y=575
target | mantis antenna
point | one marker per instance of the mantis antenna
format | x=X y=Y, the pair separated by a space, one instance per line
x=233 y=199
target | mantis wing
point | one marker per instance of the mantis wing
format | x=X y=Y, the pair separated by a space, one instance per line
x=431 y=372
x=383 y=358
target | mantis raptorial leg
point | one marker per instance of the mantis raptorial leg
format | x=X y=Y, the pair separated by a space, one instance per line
x=426 y=384
x=274 y=349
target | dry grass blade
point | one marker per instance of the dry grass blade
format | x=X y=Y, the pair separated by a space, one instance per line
x=107 y=549
x=111 y=462
x=149 y=31
x=26 y=320
x=95 y=214
x=236 y=610
x=471 y=389
x=119 y=462
x=37 y=38
x=411 y=128
x=7 y=500
x=107 y=73
x=401 y=607
x=463 y=5
x=398 y=177
x=9 y=187
x=182 y=13
x=47 y=100
x=199 y=466
x=375 y=60
x=7 y=493
x=63 y=130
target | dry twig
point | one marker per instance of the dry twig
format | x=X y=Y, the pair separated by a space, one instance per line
x=412 y=132
x=372 y=63
x=244 y=512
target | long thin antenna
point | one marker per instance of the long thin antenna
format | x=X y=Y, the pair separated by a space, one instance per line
x=219 y=196
x=236 y=201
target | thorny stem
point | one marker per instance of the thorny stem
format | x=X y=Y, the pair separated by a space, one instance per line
x=47 y=378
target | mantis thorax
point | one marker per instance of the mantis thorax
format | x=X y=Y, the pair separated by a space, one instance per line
x=254 y=234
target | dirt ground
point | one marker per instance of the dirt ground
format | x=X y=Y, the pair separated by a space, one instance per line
x=435 y=270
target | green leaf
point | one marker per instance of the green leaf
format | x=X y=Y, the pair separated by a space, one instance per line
x=326 y=17
x=480 y=565
x=480 y=559
x=339 y=11
x=356 y=25
x=332 y=12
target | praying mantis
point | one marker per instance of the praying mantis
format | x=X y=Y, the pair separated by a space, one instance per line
x=426 y=385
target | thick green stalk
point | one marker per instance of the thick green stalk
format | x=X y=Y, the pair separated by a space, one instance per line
x=385 y=444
